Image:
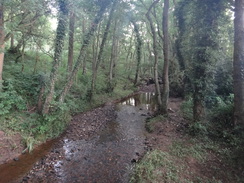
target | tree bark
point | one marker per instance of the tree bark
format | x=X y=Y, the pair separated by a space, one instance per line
x=1 y=43
x=204 y=38
x=71 y=40
x=113 y=58
x=239 y=63
x=127 y=60
x=104 y=39
x=165 y=92
x=59 y=44
x=86 y=42
x=155 y=51
x=138 y=50
x=12 y=35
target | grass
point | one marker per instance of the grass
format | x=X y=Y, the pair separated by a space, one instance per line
x=195 y=150
x=173 y=166
x=155 y=167
x=150 y=123
x=160 y=166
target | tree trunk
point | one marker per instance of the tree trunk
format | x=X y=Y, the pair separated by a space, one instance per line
x=86 y=42
x=71 y=40
x=95 y=48
x=12 y=35
x=1 y=43
x=127 y=61
x=23 y=56
x=83 y=33
x=165 y=92
x=113 y=57
x=104 y=39
x=239 y=63
x=138 y=50
x=60 y=36
x=155 y=51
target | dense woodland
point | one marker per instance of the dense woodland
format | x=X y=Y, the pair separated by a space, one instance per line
x=61 y=57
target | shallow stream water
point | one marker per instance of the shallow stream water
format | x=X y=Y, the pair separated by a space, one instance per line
x=107 y=157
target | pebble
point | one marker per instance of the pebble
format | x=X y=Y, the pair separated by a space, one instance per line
x=16 y=159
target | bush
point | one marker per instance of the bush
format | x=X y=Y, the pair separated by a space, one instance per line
x=222 y=113
x=187 y=109
x=10 y=100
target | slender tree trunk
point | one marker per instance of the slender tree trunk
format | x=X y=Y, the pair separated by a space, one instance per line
x=138 y=50
x=1 y=43
x=12 y=41
x=83 y=33
x=95 y=48
x=239 y=63
x=113 y=57
x=23 y=56
x=12 y=35
x=155 y=51
x=60 y=36
x=71 y=40
x=165 y=92
x=37 y=59
x=104 y=39
x=86 y=42
x=127 y=66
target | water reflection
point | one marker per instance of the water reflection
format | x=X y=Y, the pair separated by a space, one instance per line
x=143 y=100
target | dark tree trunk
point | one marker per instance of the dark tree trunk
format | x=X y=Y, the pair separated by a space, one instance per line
x=165 y=92
x=138 y=49
x=59 y=44
x=83 y=33
x=1 y=43
x=111 y=83
x=12 y=35
x=205 y=32
x=239 y=63
x=127 y=60
x=71 y=40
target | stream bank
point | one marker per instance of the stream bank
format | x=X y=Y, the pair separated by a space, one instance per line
x=109 y=136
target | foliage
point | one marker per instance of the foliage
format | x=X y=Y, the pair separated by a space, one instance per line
x=156 y=166
x=150 y=123
x=53 y=124
x=186 y=108
x=223 y=111
x=195 y=150
x=10 y=100
x=35 y=128
x=176 y=77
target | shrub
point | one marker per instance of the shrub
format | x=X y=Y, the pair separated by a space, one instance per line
x=10 y=99
x=186 y=108
x=223 y=111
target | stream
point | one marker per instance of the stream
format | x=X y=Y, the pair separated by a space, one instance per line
x=106 y=157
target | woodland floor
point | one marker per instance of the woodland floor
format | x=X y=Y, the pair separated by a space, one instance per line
x=169 y=134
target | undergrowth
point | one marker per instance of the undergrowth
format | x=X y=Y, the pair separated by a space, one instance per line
x=213 y=137
x=150 y=123
x=156 y=166
x=21 y=89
